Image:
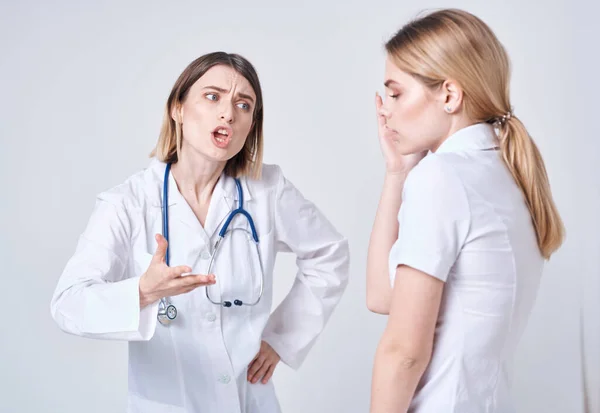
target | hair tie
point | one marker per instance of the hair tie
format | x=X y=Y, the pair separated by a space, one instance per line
x=502 y=120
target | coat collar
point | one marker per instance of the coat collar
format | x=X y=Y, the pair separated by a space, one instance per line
x=480 y=136
x=224 y=199
x=225 y=187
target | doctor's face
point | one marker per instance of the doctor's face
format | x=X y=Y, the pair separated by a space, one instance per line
x=217 y=114
x=414 y=114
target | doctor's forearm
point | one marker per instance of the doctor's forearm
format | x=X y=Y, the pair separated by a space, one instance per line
x=395 y=378
x=383 y=236
x=104 y=310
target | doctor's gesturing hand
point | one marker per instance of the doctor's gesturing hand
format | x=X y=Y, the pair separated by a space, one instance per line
x=160 y=280
x=263 y=365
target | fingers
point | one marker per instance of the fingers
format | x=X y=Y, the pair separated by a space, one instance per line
x=268 y=374
x=263 y=365
x=199 y=279
x=378 y=102
x=378 y=106
x=161 y=249
x=255 y=367
x=177 y=271
x=261 y=372
x=189 y=282
x=185 y=284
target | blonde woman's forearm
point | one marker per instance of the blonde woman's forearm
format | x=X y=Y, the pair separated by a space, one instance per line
x=383 y=236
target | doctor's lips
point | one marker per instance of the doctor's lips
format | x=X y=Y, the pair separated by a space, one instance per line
x=222 y=136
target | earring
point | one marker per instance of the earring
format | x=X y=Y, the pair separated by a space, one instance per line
x=448 y=109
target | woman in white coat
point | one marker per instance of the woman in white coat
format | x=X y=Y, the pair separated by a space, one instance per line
x=213 y=356
x=465 y=222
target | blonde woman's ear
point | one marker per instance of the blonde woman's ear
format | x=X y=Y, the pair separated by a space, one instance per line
x=451 y=95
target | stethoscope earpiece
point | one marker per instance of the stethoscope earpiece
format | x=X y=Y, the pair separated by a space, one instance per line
x=239 y=303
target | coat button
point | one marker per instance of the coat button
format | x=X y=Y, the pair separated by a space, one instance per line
x=211 y=317
x=225 y=378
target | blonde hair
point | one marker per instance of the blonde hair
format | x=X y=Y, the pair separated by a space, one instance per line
x=454 y=44
x=168 y=148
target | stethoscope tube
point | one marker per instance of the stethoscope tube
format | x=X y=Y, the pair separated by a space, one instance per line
x=237 y=302
x=239 y=210
x=167 y=311
x=165 y=210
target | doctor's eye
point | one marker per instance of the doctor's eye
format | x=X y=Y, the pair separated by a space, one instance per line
x=244 y=106
x=212 y=96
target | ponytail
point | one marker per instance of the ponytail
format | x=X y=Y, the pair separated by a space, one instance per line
x=526 y=165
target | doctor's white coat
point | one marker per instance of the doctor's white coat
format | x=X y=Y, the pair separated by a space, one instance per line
x=199 y=363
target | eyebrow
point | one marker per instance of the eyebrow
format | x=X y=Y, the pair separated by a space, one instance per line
x=389 y=82
x=220 y=89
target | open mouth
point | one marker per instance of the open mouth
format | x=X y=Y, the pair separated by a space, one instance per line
x=222 y=136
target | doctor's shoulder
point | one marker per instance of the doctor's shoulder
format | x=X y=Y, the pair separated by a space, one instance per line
x=274 y=184
x=133 y=194
x=270 y=178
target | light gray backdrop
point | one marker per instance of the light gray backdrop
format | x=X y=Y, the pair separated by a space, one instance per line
x=82 y=89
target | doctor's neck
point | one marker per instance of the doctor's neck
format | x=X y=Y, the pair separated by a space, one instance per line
x=196 y=176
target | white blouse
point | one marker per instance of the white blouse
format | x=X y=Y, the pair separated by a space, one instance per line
x=464 y=221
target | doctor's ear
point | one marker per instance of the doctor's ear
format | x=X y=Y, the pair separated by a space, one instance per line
x=451 y=96
x=177 y=114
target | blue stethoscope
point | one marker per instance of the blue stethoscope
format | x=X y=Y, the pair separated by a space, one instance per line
x=167 y=312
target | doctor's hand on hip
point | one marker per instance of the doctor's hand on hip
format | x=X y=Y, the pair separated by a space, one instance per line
x=398 y=158
x=263 y=365
x=160 y=280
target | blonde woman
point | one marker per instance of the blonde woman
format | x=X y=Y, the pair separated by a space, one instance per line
x=178 y=260
x=465 y=222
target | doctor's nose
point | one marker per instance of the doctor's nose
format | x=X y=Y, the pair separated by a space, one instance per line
x=226 y=113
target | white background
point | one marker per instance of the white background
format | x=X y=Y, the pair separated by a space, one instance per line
x=82 y=90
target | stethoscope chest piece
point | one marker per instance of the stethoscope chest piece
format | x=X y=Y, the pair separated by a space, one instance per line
x=166 y=314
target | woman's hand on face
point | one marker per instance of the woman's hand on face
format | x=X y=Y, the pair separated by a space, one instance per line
x=161 y=280
x=396 y=163
x=263 y=364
